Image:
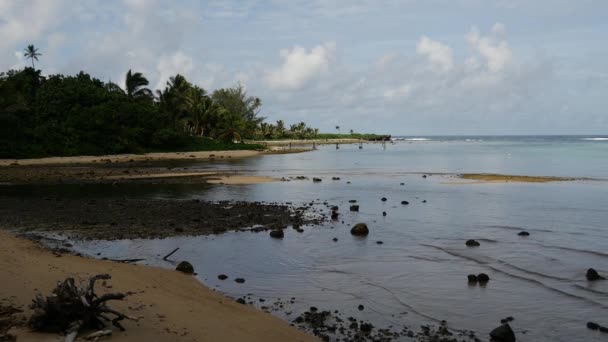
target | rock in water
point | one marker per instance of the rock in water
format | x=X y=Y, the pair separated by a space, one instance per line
x=472 y=278
x=503 y=333
x=384 y=213
x=472 y=243
x=360 y=229
x=316 y=180
x=185 y=267
x=383 y=199
x=239 y=280
x=405 y=202
x=483 y=278
x=277 y=234
x=222 y=277
x=334 y=215
x=593 y=275
x=593 y=326
x=354 y=208
x=523 y=234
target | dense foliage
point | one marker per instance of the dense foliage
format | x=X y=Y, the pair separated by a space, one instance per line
x=73 y=115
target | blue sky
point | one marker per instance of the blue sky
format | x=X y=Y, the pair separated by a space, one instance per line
x=409 y=67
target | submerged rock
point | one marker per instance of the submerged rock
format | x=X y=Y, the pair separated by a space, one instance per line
x=592 y=275
x=185 y=267
x=503 y=333
x=354 y=207
x=277 y=233
x=472 y=243
x=483 y=278
x=360 y=229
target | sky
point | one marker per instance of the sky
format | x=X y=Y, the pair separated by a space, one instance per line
x=401 y=67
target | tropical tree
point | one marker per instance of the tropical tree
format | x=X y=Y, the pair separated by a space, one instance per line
x=32 y=53
x=135 y=86
x=280 y=130
x=176 y=98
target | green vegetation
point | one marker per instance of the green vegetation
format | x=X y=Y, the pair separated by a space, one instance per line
x=58 y=115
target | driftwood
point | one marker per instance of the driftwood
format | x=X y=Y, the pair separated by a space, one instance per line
x=170 y=254
x=72 y=308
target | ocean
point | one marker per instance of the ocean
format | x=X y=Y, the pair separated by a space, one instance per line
x=418 y=275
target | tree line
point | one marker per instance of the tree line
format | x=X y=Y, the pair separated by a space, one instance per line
x=59 y=115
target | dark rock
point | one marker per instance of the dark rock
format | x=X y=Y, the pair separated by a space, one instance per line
x=241 y=301
x=222 y=277
x=423 y=176
x=185 y=267
x=335 y=208
x=384 y=213
x=361 y=307
x=383 y=199
x=401 y=183
x=334 y=215
x=405 y=202
x=366 y=327
x=360 y=229
x=335 y=178
x=277 y=234
x=300 y=230
x=472 y=278
x=503 y=333
x=592 y=275
x=352 y=201
x=239 y=280
x=379 y=242
x=603 y=329
x=423 y=201
x=348 y=182
x=335 y=239
x=507 y=320
x=483 y=278
x=523 y=234
x=472 y=243
x=316 y=180
x=313 y=309
x=354 y=208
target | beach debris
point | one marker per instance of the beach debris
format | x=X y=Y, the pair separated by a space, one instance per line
x=592 y=275
x=524 y=233
x=405 y=202
x=359 y=229
x=185 y=267
x=98 y=334
x=170 y=254
x=483 y=278
x=73 y=308
x=472 y=243
x=354 y=207
x=9 y=317
x=472 y=279
x=222 y=277
x=277 y=234
x=503 y=333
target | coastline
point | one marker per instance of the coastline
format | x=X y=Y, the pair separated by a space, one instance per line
x=173 y=305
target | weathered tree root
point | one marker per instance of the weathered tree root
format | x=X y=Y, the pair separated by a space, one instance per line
x=71 y=308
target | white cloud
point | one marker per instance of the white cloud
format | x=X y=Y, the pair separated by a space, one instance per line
x=438 y=54
x=170 y=65
x=300 y=66
x=492 y=48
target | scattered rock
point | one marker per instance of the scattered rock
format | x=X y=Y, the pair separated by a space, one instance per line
x=423 y=176
x=366 y=327
x=335 y=178
x=405 y=202
x=354 y=208
x=401 y=183
x=222 y=277
x=507 y=320
x=472 y=278
x=361 y=307
x=379 y=242
x=335 y=239
x=352 y=201
x=483 y=278
x=239 y=280
x=523 y=234
x=423 y=201
x=334 y=215
x=472 y=243
x=593 y=326
x=277 y=233
x=384 y=213
x=185 y=267
x=383 y=199
x=241 y=301
x=592 y=275
x=317 y=180
x=300 y=230
x=360 y=229
x=503 y=333
x=334 y=208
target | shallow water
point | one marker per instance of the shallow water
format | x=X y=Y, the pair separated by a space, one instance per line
x=418 y=275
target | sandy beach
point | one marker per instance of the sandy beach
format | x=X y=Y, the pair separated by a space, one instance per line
x=173 y=305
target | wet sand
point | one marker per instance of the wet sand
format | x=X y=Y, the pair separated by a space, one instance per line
x=497 y=178
x=173 y=306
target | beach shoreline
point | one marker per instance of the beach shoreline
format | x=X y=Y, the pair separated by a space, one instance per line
x=173 y=305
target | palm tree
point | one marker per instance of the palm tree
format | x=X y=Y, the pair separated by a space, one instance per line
x=135 y=84
x=32 y=53
x=280 y=129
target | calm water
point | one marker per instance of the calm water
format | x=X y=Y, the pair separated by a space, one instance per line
x=419 y=274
